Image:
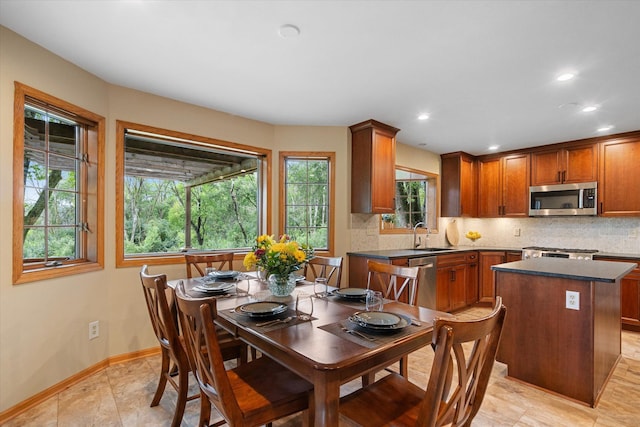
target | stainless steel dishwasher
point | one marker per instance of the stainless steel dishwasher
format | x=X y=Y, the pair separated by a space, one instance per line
x=426 y=280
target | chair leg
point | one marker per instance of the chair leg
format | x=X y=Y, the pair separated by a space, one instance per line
x=404 y=366
x=162 y=381
x=183 y=391
x=205 y=411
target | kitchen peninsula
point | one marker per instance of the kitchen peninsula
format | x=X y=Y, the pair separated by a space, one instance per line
x=562 y=330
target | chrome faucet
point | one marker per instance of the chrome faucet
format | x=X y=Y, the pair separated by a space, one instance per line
x=416 y=238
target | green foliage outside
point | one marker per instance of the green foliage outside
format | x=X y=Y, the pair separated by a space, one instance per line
x=224 y=214
x=307 y=201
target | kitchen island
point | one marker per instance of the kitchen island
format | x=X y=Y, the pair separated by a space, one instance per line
x=562 y=330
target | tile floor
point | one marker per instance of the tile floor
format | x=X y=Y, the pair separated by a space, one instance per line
x=120 y=396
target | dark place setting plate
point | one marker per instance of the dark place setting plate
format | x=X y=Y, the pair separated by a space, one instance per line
x=261 y=309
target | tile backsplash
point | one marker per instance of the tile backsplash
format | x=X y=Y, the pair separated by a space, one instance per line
x=615 y=235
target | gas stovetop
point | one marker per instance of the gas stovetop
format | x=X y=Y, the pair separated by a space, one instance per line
x=540 y=251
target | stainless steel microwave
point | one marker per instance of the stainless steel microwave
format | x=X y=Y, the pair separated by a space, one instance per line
x=564 y=199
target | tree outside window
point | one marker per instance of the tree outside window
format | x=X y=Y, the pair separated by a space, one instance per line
x=307 y=196
x=58 y=189
x=186 y=193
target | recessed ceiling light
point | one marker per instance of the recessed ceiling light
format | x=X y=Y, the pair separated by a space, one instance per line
x=289 y=31
x=493 y=147
x=605 y=128
x=423 y=116
x=564 y=77
x=589 y=108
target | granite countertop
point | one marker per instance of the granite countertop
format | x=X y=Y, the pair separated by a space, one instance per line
x=599 y=271
x=413 y=253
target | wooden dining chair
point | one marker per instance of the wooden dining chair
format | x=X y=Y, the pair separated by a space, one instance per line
x=457 y=383
x=394 y=281
x=252 y=394
x=200 y=261
x=398 y=283
x=327 y=267
x=164 y=320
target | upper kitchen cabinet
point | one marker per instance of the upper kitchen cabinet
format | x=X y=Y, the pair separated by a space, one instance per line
x=620 y=176
x=567 y=164
x=503 y=186
x=373 y=167
x=459 y=185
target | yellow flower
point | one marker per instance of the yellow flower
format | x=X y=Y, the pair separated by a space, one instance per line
x=249 y=260
x=300 y=255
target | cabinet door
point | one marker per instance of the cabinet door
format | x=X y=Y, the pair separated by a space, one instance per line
x=487 y=284
x=489 y=188
x=545 y=168
x=515 y=186
x=471 y=294
x=443 y=278
x=457 y=287
x=629 y=297
x=383 y=174
x=619 y=174
x=580 y=164
x=459 y=185
x=573 y=163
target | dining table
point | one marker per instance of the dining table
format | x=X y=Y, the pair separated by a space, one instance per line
x=326 y=348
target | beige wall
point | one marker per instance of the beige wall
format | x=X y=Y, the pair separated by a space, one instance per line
x=44 y=325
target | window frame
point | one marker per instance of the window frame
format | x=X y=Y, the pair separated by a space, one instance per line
x=92 y=193
x=383 y=229
x=122 y=126
x=309 y=155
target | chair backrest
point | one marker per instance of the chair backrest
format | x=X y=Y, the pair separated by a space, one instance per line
x=162 y=311
x=220 y=260
x=197 y=317
x=329 y=267
x=458 y=381
x=393 y=280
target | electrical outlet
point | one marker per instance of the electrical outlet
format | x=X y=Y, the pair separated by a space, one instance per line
x=516 y=232
x=633 y=233
x=573 y=300
x=94 y=329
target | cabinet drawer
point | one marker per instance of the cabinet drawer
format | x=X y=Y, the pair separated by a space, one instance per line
x=457 y=258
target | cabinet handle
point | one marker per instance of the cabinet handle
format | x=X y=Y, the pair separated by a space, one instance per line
x=558 y=178
x=564 y=176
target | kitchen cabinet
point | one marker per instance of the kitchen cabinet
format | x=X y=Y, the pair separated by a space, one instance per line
x=454 y=272
x=618 y=192
x=567 y=164
x=459 y=185
x=486 y=276
x=373 y=167
x=629 y=297
x=503 y=186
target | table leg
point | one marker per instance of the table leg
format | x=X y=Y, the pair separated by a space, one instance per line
x=327 y=398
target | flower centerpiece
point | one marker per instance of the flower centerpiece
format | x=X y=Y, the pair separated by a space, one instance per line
x=279 y=258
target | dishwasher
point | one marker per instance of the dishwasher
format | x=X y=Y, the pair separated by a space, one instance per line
x=426 y=280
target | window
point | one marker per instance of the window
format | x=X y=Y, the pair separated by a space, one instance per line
x=416 y=201
x=58 y=186
x=183 y=192
x=307 y=198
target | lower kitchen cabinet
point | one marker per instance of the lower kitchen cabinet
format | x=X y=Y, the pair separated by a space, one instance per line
x=487 y=277
x=629 y=297
x=456 y=274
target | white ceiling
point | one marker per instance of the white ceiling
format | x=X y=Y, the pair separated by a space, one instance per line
x=484 y=70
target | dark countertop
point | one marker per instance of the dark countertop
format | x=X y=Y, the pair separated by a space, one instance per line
x=599 y=271
x=413 y=253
